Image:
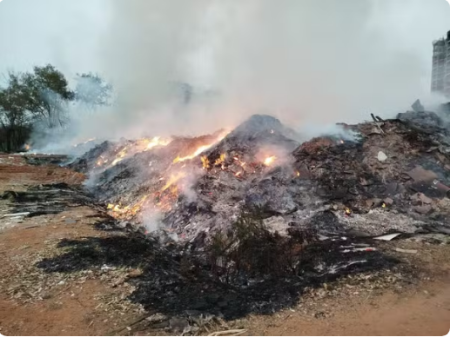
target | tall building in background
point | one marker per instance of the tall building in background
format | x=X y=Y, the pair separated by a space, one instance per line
x=440 y=77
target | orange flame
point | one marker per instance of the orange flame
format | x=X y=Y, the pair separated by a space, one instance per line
x=156 y=141
x=200 y=149
x=195 y=154
x=269 y=161
x=118 y=208
x=101 y=161
x=120 y=156
x=221 y=159
x=205 y=162
x=172 y=180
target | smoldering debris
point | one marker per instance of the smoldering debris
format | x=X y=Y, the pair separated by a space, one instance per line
x=200 y=185
x=241 y=221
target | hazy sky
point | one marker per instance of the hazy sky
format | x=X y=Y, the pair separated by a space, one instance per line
x=306 y=60
x=68 y=33
x=62 y=32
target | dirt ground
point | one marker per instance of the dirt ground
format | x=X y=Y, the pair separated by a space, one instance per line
x=33 y=302
x=424 y=311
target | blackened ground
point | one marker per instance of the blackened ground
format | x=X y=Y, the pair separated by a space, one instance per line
x=175 y=280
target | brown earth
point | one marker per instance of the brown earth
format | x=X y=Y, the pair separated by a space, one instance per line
x=16 y=175
x=424 y=311
x=94 y=302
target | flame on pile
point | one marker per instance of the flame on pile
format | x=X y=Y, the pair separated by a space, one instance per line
x=27 y=147
x=102 y=161
x=205 y=162
x=127 y=211
x=137 y=207
x=269 y=160
x=200 y=149
x=173 y=179
x=164 y=198
x=156 y=141
x=120 y=156
x=195 y=154
x=167 y=199
x=168 y=194
x=297 y=174
x=141 y=145
x=221 y=159
x=117 y=208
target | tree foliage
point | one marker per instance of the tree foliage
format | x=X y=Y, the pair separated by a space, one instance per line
x=41 y=94
x=42 y=97
x=48 y=92
x=13 y=100
x=28 y=97
x=13 y=118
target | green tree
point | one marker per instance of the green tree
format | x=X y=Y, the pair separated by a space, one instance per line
x=41 y=95
x=14 y=117
x=48 y=93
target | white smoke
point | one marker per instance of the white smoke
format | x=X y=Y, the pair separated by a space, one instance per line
x=151 y=220
x=304 y=61
x=309 y=61
x=309 y=131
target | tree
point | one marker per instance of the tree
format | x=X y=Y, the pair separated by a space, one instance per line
x=14 y=116
x=28 y=97
x=92 y=91
x=48 y=92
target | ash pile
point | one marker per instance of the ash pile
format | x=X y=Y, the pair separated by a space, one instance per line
x=240 y=221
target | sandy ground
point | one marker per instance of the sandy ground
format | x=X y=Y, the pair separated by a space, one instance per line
x=424 y=311
x=35 y=303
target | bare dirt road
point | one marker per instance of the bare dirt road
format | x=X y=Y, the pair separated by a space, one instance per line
x=95 y=300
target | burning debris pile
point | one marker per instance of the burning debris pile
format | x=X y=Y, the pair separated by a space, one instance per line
x=241 y=221
x=388 y=177
x=185 y=177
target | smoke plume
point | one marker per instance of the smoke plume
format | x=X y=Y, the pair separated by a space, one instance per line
x=308 y=61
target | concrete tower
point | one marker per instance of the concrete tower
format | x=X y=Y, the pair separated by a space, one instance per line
x=440 y=78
